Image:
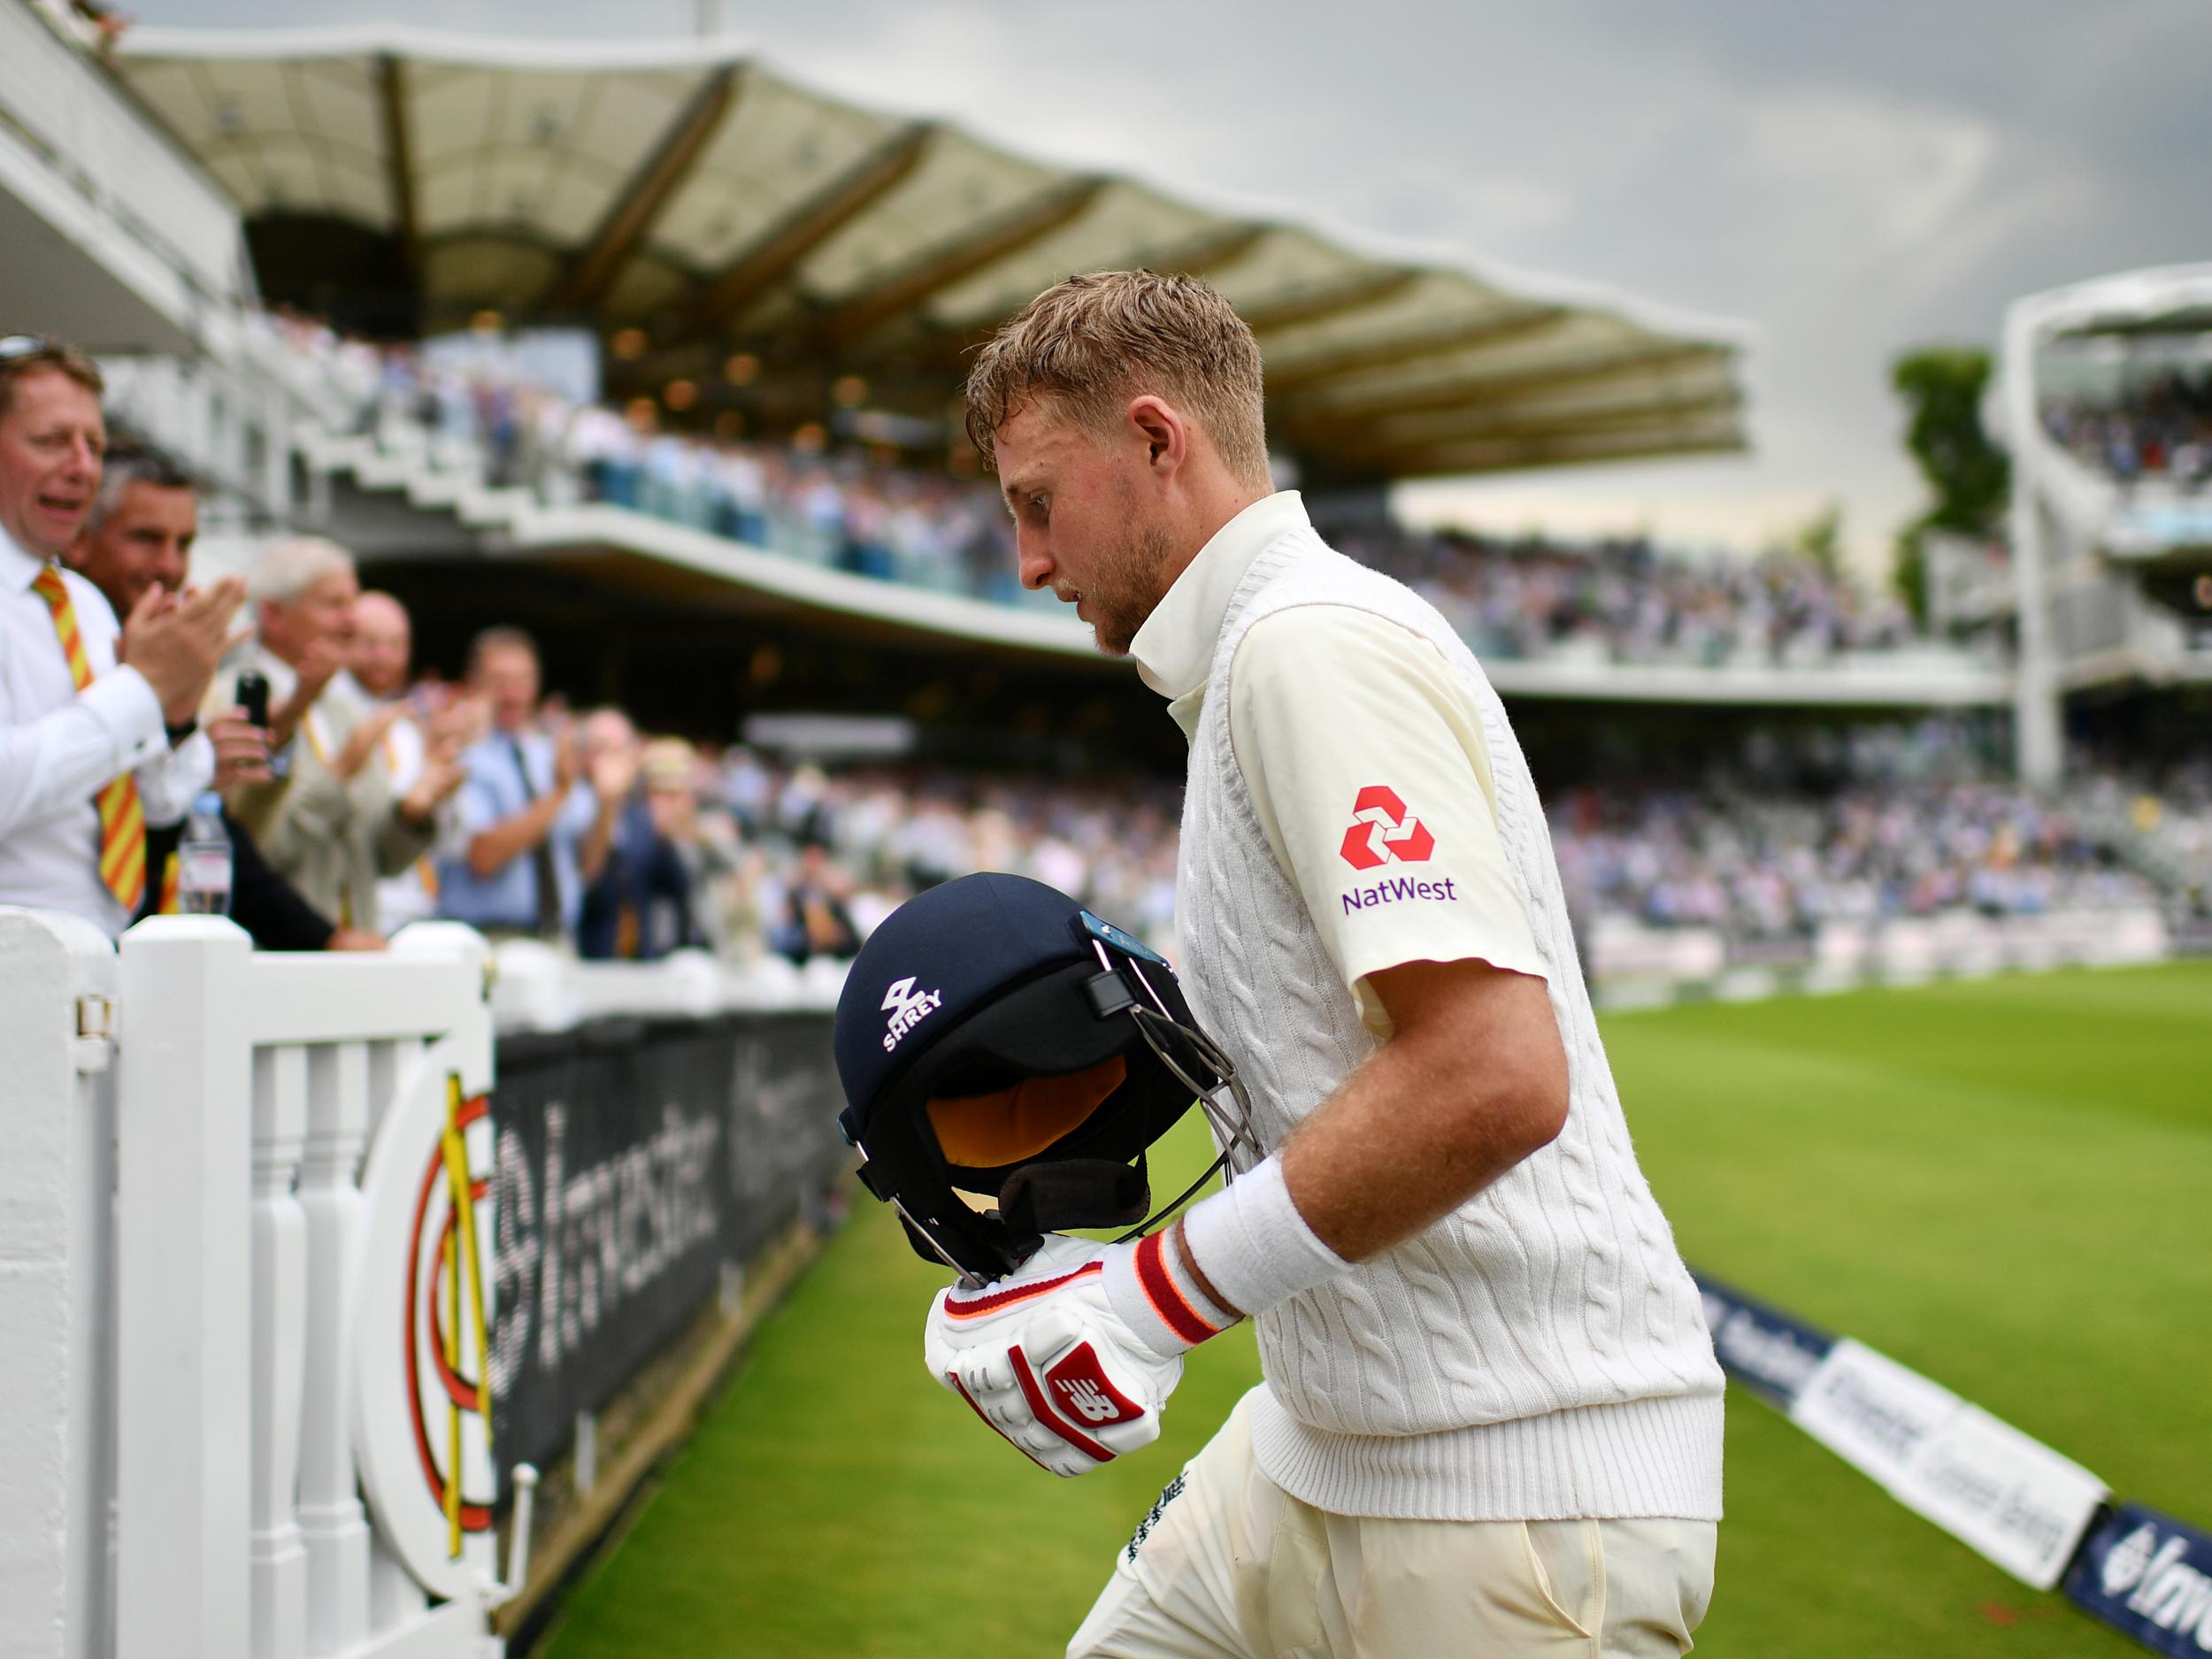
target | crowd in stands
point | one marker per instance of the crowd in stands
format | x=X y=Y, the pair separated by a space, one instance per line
x=1627 y=601
x=850 y=509
x=2161 y=429
x=1775 y=866
x=365 y=795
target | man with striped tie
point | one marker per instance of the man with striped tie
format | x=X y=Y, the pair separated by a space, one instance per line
x=97 y=729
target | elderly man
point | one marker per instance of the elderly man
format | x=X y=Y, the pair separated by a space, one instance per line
x=138 y=538
x=98 y=731
x=335 y=823
x=1491 y=1420
x=533 y=835
x=425 y=754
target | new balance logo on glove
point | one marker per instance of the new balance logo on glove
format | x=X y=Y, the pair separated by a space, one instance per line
x=1042 y=1356
x=1079 y=1382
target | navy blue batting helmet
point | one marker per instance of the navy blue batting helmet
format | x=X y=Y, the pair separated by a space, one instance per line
x=995 y=1039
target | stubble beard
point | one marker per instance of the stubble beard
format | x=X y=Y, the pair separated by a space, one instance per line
x=1127 y=588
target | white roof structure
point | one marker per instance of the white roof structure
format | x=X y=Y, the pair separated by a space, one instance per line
x=2081 y=621
x=786 y=252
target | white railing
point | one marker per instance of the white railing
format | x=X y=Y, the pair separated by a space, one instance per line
x=116 y=157
x=538 y=987
x=1632 y=965
x=241 y=1405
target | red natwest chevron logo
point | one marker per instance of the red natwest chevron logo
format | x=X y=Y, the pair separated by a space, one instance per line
x=1383 y=832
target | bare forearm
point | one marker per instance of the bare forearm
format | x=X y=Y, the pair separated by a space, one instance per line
x=591 y=855
x=493 y=849
x=1434 y=1116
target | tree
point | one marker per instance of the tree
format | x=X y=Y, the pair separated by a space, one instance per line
x=1820 y=538
x=1970 y=477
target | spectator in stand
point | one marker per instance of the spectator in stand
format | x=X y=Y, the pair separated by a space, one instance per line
x=683 y=793
x=333 y=822
x=531 y=833
x=640 y=908
x=139 y=539
x=423 y=744
x=817 y=921
x=97 y=733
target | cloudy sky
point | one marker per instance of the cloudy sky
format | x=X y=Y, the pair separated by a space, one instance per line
x=1842 y=180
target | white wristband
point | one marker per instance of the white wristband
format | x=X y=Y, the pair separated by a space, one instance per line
x=1252 y=1244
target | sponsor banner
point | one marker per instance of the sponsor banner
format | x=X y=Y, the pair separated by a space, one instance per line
x=1762 y=1348
x=2011 y=1497
x=633 y=1161
x=2150 y=1576
x=1871 y=1411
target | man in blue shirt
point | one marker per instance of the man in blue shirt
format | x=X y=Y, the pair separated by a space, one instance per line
x=531 y=833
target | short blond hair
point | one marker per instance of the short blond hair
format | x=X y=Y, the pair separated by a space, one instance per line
x=22 y=355
x=1091 y=343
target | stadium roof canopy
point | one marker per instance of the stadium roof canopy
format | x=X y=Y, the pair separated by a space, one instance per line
x=796 y=258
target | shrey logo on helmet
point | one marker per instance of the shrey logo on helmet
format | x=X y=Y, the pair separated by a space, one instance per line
x=1383 y=832
x=908 y=1008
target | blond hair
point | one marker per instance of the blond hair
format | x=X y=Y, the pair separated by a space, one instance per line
x=1091 y=343
x=22 y=355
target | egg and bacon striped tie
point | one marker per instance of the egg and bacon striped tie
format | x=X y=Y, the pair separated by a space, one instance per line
x=122 y=819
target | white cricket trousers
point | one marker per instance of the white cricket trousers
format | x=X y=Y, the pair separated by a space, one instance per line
x=1230 y=1566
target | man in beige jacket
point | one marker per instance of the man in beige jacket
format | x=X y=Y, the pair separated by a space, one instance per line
x=335 y=822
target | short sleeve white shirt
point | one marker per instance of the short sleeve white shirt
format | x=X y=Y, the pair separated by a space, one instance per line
x=1362 y=751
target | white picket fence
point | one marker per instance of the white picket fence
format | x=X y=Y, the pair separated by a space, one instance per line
x=242 y=1314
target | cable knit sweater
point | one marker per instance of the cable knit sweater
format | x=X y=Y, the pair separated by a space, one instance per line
x=1540 y=1354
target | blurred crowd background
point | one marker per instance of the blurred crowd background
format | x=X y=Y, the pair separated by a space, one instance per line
x=836 y=500
x=2160 y=428
x=398 y=794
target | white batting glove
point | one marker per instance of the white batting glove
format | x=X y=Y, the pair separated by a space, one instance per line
x=1064 y=1357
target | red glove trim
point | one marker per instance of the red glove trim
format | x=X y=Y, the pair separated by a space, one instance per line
x=997 y=1300
x=1042 y=1409
x=961 y=1389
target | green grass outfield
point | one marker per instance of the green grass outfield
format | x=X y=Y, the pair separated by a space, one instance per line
x=2003 y=1184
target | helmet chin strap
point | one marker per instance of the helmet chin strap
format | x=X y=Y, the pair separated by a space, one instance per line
x=968 y=1280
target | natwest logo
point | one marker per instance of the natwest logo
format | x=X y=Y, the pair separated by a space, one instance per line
x=908 y=1008
x=1383 y=832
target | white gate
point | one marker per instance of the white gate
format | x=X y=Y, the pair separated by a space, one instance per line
x=245 y=1404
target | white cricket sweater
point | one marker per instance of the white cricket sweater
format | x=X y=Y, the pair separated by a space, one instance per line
x=1541 y=1354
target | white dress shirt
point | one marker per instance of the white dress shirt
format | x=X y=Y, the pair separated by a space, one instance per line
x=60 y=747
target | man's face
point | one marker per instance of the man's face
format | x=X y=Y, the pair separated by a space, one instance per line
x=1078 y=523
x=51 y=440
x=382 y=644
x=508 y=677
x=321 y=616
x=606 y=731
x=145 y=544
